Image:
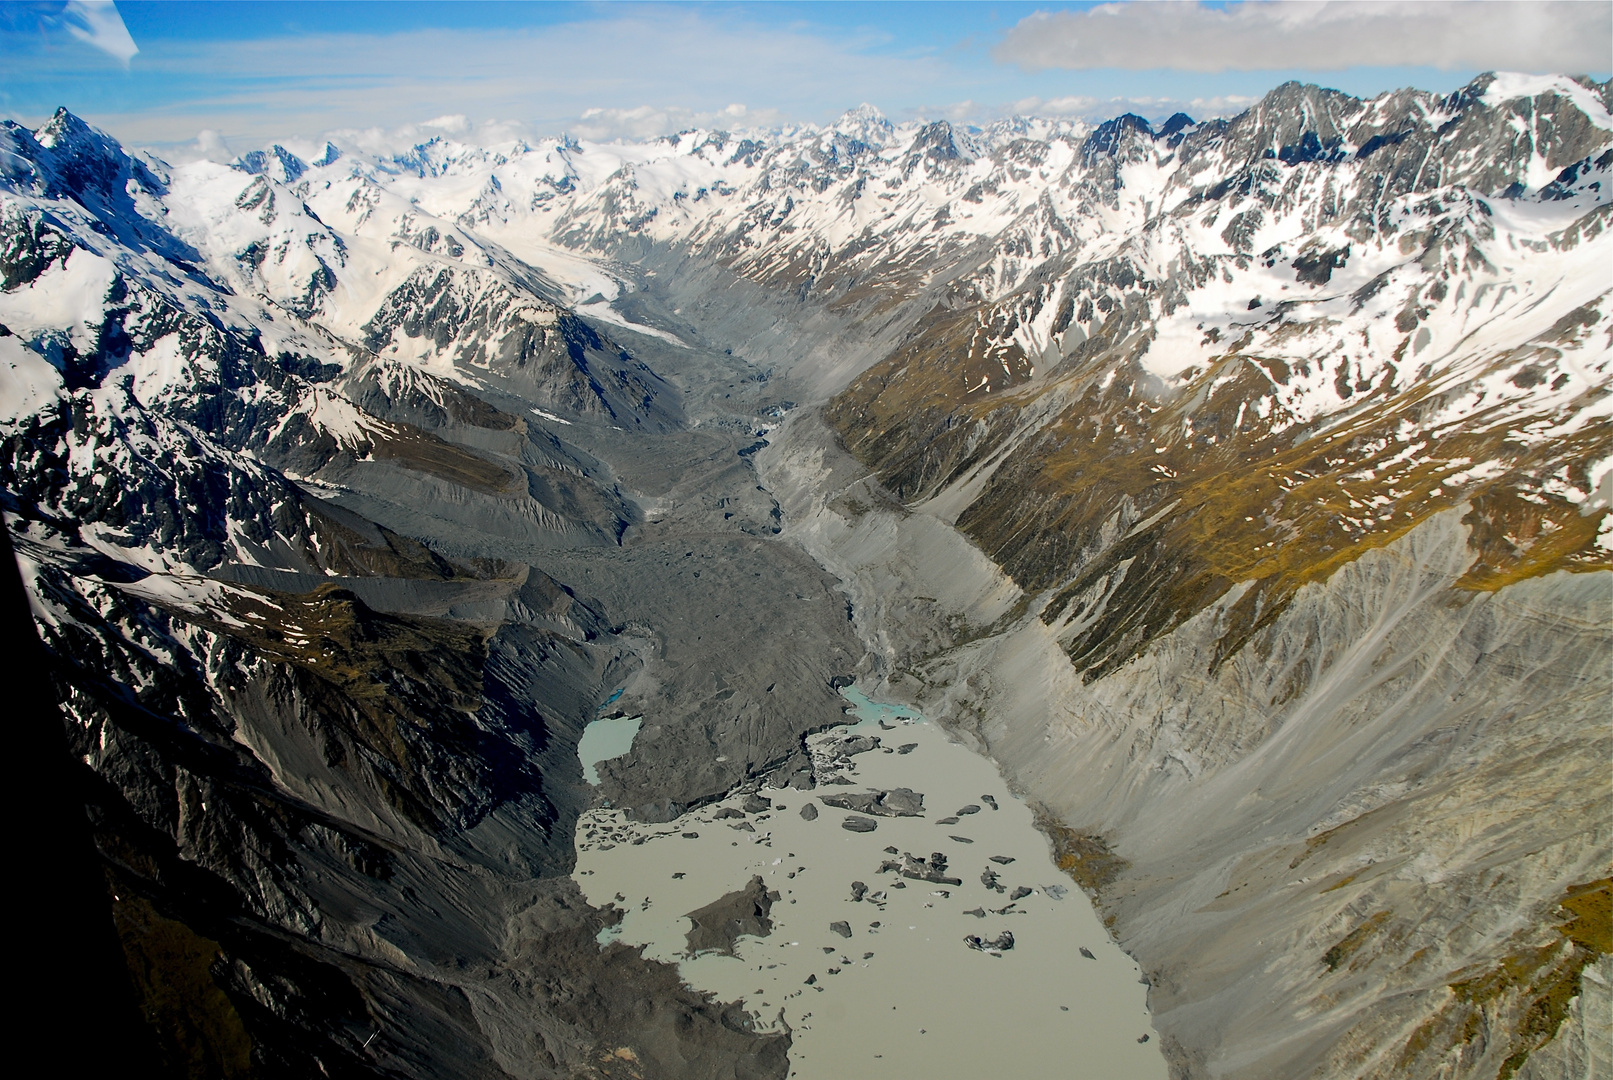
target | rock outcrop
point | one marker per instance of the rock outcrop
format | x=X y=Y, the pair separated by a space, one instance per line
x=715 y=927
x=897 y=802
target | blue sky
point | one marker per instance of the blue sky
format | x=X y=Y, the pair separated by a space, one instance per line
x=161 y=74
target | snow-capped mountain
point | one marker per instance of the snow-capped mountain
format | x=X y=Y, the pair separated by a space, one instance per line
x=1356 y=281
x=1336 y=254
x=1254 y=431
x=315 y=743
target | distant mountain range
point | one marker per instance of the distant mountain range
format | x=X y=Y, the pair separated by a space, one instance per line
x=1262 y=431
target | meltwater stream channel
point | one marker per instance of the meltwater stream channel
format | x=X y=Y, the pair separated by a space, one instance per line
x=877 y=972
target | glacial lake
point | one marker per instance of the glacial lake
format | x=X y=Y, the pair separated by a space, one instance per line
x=605 y=739
x=905 y=995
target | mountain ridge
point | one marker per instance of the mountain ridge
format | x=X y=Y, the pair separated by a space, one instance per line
x=1166 y=449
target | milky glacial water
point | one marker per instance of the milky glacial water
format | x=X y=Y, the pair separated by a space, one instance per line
x=904 y=996
x=605 y=739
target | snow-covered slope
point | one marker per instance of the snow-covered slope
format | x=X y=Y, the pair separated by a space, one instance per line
x=1387 y=329
x=206 y=320
x=1173 y=383
x=1327 y=262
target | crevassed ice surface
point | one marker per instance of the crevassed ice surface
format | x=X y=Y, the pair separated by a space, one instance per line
x=924 y=1004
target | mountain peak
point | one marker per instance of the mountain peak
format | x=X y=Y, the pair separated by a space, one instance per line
x=1112 y=137
x=278 y=162
x=85 y=161
x=942 y=140
x=1494 y=88
x=865 y=124
x=1177 y=122
x=62 y=129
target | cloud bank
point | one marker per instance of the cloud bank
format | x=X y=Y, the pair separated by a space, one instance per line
x=1083 y=107
x=1274 y=35
x=648 y=121
x=634 y=71
x=628 y=73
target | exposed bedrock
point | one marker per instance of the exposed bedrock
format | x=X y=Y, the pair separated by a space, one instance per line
x=1378 y=823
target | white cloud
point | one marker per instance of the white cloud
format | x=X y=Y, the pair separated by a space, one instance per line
x=1076 y=105
x=208 y=145
x=457 y=124
x=1085 y=107
x=1266 y=35
x=385 y=141
x=640 y=122
x=648 y=121
x=97 y=23
x=689 y=64
x=211 y=145
x=958 y=112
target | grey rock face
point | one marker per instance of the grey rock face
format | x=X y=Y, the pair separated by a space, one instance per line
x=466 y=819
x=540 y=353
x=660 y=811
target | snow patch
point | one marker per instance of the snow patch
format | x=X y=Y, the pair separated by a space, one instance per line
x=27 y=382
x=1510 y=85
x=605 y=313
x=551 y=417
